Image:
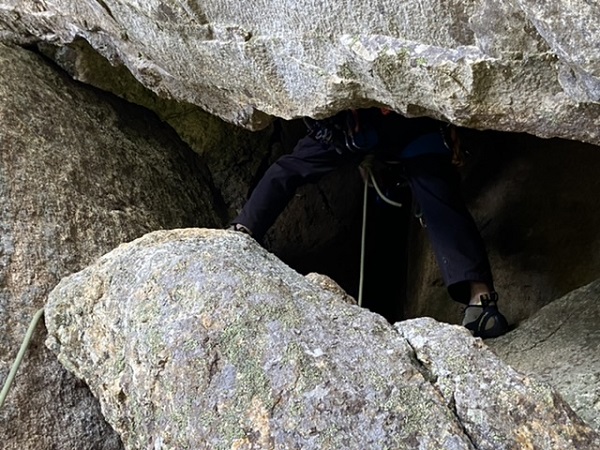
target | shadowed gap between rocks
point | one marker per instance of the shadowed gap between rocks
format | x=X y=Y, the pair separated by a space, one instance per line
x=529 y=197
x=386 y=241
x=338 y=255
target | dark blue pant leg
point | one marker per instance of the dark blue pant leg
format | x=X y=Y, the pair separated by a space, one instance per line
x=455 y=238
x=308 y=162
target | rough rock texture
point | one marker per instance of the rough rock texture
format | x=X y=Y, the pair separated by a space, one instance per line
x=232 y=154
x=514 y=65
x=456 y=363
x=201 y=339
x=327 y=284
x=560 y=344
x=80 y=172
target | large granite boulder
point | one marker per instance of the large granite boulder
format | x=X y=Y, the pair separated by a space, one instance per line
x=512 y=65
x=201 y=339
x=560 y=344
x=80 y=173
x=232 y=154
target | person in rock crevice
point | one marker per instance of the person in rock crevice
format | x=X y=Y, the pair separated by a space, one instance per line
x=421 y=146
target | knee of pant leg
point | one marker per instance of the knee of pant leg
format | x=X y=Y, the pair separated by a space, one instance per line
x=301 y=170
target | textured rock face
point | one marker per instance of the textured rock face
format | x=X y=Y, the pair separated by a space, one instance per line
x=232 y=154
x=80 y=173
x=455 y=364
x=201 y=339
x=519 y=65
x=560 y=345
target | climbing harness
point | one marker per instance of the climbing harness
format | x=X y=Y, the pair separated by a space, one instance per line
x=345 y=131
x=22 y=350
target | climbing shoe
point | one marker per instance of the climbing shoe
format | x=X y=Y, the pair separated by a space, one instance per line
x=241 y=228
x=485 y=321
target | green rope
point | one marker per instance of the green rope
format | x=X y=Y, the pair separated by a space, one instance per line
x=367 y=165
x=17 y=363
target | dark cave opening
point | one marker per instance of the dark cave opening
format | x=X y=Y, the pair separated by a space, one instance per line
x=523 y=192
x=384 y=262
x=386 y=244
